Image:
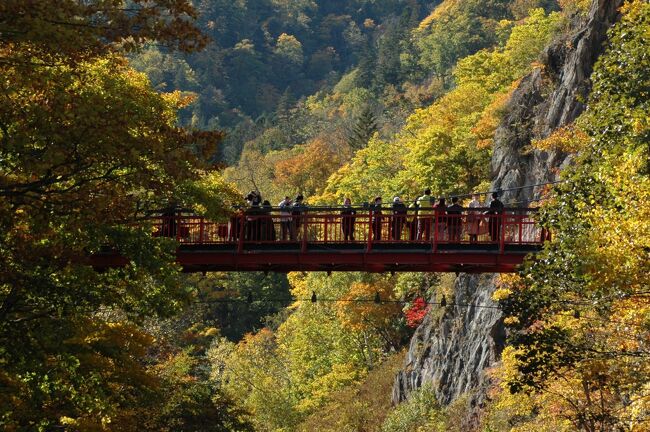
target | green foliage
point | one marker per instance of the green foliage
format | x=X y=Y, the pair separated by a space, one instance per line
x=496 y=70
x=456 y=29
x=358 y=407
x=419 y=413
x=521 y=8
x=527 y=40
x=210 y=196
x=446 y=146
x=165 y=70
x=284 y=374
x=259 y=297
x=289 y=48
x=275 y=46
x=186 y=402
x=365 y=176
x=363 y=130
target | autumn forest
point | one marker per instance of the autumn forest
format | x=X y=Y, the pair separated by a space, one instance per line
x=112 y=110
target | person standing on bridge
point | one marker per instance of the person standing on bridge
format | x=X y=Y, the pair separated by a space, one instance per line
x=425 y=204
x=473 y=218
x=376 y=219
x=235 y=225
x=285 y=218
x=267 y=229
x=440 y=210
x=169 y=216
x=399 y=218
x=348 y=218
x=495 y=212
x=252 y=223
x=412 y=221
x=297 y=210
x=454 y=220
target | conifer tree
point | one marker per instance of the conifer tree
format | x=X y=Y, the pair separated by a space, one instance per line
x=364 y=128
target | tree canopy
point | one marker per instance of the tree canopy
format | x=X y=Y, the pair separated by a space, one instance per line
x=88 y=147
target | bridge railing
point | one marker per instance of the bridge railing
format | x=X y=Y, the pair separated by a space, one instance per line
x=367 y=226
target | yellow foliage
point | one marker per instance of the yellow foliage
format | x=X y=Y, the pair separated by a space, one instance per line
x=299 y=287
x=618 y=251
x=441 y=10
x=491 y=118
x=321 y=389
x=368 y=314
x=571 y=6
x=506 y=284
x=520 y=412
x=569 y=139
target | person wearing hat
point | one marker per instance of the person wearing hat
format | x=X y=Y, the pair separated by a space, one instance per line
x=399 y=218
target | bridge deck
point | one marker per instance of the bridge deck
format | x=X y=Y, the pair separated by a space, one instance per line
x=472 y=241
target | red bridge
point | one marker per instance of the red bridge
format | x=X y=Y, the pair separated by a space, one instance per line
x=316 y=239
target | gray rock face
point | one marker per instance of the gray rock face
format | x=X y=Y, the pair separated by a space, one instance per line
x=546 y=100
x=453 y=353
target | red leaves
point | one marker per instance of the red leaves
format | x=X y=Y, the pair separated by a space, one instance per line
x=416 y=312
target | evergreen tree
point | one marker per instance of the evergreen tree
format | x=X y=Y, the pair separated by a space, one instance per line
x=366 y=68
x=364 y=128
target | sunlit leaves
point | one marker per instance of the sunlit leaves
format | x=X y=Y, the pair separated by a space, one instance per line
x=582 y=303
x=87 y=148
x=81 y=29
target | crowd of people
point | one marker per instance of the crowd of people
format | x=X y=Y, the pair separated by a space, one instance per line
x=425 y=218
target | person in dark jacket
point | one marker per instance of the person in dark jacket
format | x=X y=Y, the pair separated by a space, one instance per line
x=297 y=213
x=474 y=219
x=454 y=220
x=399 y=218
x=376 y=219
x=495 y=212
x=267 y=230
x=169 y=216
x=348 y=218
x=252 y=221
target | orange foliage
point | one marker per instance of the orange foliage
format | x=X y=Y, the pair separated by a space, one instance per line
x=308 y=171
x=568 y=139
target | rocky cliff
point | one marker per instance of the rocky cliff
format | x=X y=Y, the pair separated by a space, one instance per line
x=452 y=351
